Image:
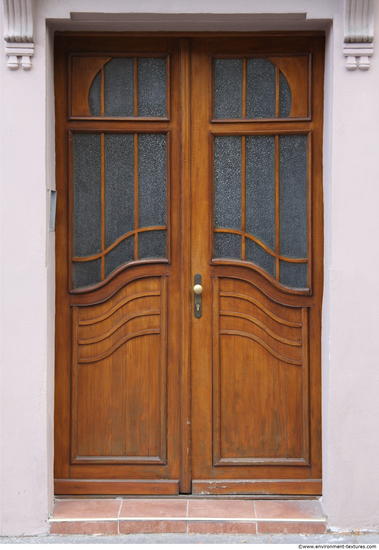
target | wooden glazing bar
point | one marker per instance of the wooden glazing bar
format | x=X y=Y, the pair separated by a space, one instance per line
x=246 y=236
x=277 y=91
x=135 y=86
x=102 y=206
x=251 y=127
x=122 y=238
x=136 y=196
x=243 y=194
x=102 y=92
x=244 y=88
x=277 y=206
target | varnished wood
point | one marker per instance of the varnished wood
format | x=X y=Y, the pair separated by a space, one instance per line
x=277 y=207
x=185 y=270
x=263 y=348
x=230 y=400
x=256 y=487
x=115 y=487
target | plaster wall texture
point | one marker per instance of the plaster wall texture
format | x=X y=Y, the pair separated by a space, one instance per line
x=351 y=445
x=351 y=303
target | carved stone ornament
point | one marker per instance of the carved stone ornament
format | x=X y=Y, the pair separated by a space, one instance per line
x=359 y=33
x=18 y=33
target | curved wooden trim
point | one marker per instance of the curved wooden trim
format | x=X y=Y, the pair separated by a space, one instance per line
x=263 y=344
x=265 y=247
x=119 y=325
x=262 y=326
x=117 y=306
x=119 y=240
x=262 y=307
x=125 y=267
x=255 y=268
x=120 y=343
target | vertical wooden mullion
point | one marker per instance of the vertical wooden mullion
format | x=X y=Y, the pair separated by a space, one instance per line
x=102 y=94
x=135 y=86
x=244 y=88
x=136 y=196
x=243 y=195
x=277 y=206
x=309 y=209
x=185 y=266
x=277 y=92
x=102 y=206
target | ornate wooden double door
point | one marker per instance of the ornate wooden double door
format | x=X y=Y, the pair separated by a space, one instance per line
x=188 y=264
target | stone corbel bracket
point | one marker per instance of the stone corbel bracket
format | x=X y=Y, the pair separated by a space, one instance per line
x=359 y=33
x=18 y=33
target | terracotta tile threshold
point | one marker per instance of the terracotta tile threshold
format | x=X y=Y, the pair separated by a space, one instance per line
x=119 y=516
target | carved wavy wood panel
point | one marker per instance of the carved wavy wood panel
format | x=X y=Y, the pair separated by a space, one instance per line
x=119 y=376
x=260 y=377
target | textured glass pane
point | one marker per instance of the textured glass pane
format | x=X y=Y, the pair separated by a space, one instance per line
x=119 y=186
x=87 y=194
x=120 y=255
x=260 y=188
x=293 y=275
x=227 y=182
x=94 y=96
x=151 y=86
x=119 y=87
x=152 y=176
x=86 y=273
x=256 y=254
x=227 y=245
x=260 y=89
x=227 y=88
x=285 y=97
x=293 y=196
x=152 y=244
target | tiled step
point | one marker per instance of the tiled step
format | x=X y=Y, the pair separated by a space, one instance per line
x=231 y=516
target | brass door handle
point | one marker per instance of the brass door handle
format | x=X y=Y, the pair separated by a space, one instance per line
x=197 y=290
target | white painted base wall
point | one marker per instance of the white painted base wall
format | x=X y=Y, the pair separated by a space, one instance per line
x=351 y=300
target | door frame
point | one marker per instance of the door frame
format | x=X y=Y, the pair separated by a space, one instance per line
x=185 y=212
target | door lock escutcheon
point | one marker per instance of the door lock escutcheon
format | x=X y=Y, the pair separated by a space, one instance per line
x=197 y=290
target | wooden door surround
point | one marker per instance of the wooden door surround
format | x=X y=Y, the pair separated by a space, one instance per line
x=176 y=156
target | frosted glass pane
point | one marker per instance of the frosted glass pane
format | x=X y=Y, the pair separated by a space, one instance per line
x=260 y=188
x=94 y=97
x=151 y=87
x=293 y=196
x=152 y=176
x=152 y=244
x=119 y=87
x=120 y=255
x=256 y=254
x=293 y=275
x=227 y=245
x=260 y=88
x=86 y=273
x=87 y=194
x=119 y=186
x=227 y=88
x=227 y=182
x=285 y=97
